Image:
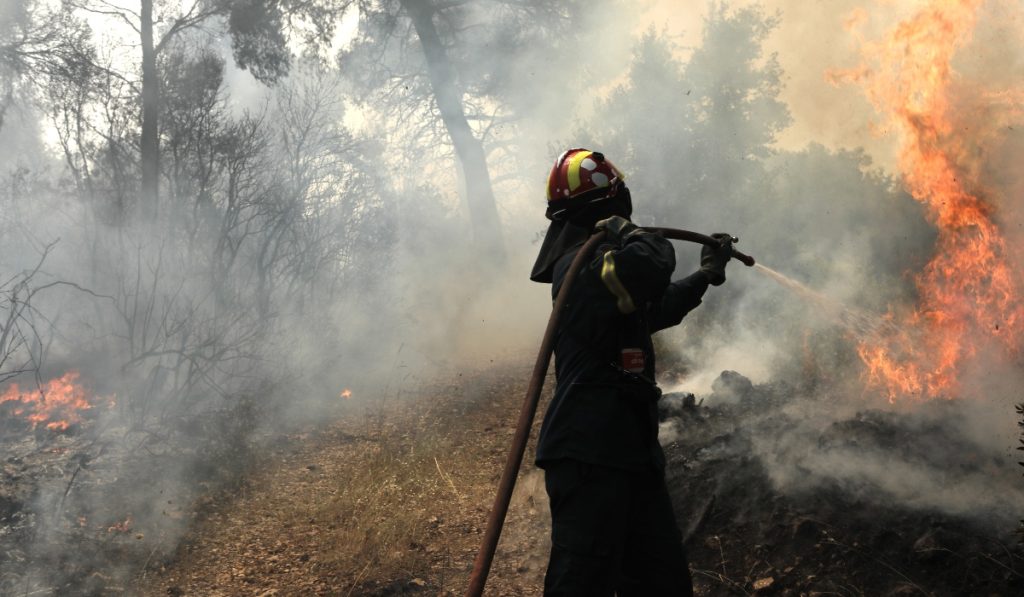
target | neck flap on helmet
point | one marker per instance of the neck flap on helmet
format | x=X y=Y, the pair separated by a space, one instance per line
x=570 y=232
x=562 y=236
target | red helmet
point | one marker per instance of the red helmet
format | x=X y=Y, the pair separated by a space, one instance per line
x=580 y=177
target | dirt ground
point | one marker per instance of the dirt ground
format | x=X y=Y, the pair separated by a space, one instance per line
x=389 y=500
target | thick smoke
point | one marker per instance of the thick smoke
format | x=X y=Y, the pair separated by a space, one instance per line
x=297 y=256
x=838 y=222
x=294 y=257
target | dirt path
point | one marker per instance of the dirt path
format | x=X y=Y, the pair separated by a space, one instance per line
x=389 y=500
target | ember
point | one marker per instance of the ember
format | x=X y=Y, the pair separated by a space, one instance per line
x=124 y=526
x=968 y=291
x=56 y=404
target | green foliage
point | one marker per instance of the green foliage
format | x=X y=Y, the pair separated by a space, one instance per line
x=257 y=38
x=39 y=44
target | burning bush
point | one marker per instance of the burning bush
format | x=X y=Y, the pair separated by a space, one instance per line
x=56 y=405
x=968 y=294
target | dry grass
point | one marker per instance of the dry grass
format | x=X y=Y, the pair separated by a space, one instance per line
x=381 y=515
x=387 y=501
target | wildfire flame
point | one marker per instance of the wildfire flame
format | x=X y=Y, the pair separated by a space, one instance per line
x=124 y=526
x=57 y=404
x=968 y=291
x=346 y=394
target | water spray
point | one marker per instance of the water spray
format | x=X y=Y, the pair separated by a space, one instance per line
x=496 y=519
x=863 y=325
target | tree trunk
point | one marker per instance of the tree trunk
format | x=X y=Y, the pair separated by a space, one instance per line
x=150 y=141
x=483 y=212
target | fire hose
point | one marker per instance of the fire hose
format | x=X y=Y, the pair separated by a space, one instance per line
x=496 y=519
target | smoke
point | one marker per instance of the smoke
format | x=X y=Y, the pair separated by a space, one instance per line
x=299 y=256
x=293 y=257
x=836 y=219
x=947 y=457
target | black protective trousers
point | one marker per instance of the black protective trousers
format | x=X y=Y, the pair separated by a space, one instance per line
x=613 y=533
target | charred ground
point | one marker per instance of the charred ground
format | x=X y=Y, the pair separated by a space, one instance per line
x=836 y=535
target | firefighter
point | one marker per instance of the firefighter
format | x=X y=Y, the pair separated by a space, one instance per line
x=613 y=530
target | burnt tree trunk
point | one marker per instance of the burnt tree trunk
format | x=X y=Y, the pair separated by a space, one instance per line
x=149 y=141
x=483 y=212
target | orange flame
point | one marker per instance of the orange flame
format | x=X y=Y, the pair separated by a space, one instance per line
x=346 y=394
x=57 y=404
x=124 y=526
x=968 y=291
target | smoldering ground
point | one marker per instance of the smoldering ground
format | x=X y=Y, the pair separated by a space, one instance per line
x=296 y=257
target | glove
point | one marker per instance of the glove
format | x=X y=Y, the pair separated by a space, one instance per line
x=713 y=259
x=616 y=228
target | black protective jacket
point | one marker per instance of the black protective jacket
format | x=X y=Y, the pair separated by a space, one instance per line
x=604 y=410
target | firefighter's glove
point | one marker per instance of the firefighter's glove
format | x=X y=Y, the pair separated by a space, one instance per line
x=714 y=258
x=616 y=228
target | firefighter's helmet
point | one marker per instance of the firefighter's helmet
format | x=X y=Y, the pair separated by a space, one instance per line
x=578 y=178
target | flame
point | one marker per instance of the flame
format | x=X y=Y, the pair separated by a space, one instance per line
x=968 y=291
x=346 y=394
x=56 y=404
x=122 y=527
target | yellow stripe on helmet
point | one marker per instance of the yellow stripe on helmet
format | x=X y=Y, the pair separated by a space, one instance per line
x=611 y=280
x=574 y=169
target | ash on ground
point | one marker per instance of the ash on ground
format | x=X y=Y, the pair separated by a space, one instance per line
x=89 y=510
x=773 y=496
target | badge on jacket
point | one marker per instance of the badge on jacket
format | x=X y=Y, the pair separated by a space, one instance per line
x=633 y=360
